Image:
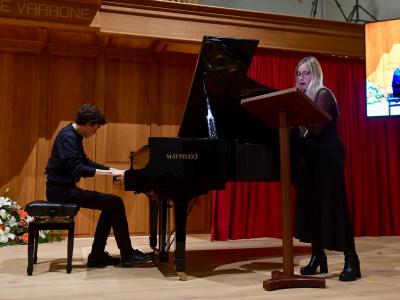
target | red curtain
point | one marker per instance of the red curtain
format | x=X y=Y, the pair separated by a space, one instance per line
x=248 y=209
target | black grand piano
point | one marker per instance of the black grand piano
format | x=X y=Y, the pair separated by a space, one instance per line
x=218 y=141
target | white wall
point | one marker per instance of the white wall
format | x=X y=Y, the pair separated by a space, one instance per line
x=291 y=7
x=333 y=11
x=387 y=9
x=326 y=9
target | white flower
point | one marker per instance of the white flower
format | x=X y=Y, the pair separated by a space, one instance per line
x=3 y=239
x=12 y=222
x=15 y=205
x=42 y=233
x=5 y=235
x=5 y=201
x=10 y=229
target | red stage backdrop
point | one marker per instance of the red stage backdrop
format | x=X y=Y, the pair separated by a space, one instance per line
x=249 y=210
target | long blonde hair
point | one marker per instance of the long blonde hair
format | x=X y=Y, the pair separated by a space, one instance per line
x=317 y=76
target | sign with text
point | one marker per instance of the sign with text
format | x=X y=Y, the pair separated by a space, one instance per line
x=64 y=11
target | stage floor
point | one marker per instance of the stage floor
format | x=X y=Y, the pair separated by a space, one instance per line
x=216 y=270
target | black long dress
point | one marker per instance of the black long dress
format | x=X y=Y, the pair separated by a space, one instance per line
x=322 y=212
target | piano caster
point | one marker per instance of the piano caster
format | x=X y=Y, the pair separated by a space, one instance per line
x=182 y=276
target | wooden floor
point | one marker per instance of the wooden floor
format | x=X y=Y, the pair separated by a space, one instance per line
x=216 y=270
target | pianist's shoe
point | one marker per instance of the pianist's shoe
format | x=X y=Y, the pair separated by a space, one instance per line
x=101 y=260
x=135 y=257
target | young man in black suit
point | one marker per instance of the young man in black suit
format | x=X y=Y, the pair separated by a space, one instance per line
x=68 y=163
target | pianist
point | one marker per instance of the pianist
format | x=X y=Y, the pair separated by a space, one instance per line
x=67 y=164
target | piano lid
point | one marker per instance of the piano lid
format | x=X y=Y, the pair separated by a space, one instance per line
x=220 y=81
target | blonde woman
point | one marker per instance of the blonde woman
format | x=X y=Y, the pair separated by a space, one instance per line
x=322 y=213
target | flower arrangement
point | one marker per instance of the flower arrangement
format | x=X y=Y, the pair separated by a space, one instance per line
x=14 y=224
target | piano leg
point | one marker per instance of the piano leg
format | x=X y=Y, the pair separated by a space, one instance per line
x=164 y=253
x=153 y=212
x=180 y=236
x=158 y=209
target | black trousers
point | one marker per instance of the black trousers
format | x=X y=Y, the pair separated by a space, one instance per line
x=112 y=214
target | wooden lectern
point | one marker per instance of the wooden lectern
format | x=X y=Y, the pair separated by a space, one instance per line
x=284 y=109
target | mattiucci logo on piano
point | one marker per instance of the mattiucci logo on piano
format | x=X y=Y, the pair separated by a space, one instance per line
x=177 y=156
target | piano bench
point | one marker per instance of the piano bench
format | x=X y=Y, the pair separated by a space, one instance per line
x=50 y=216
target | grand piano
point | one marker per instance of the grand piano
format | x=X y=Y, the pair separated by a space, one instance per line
x=218 y=141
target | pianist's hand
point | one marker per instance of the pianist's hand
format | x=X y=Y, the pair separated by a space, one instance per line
x=112 y=171
x=117 y=172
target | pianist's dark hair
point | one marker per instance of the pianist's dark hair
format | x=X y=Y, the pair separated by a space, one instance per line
x=89 y=113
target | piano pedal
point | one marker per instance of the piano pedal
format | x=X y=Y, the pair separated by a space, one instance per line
x=182 y=276
x=163 y=256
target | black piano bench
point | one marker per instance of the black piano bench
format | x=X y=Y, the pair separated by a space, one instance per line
x=50 y=216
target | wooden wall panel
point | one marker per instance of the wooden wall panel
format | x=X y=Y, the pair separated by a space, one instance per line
x=19 y=119
x=199 y=218
x=42 y=143
x=164 y=130
x=71 y=84
x=174 y=82
x=127 y=91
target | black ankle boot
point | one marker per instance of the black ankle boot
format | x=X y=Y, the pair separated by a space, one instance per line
x=351 y=270
x=317 y=260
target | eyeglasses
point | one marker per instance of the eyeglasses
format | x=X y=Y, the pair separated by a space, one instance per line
x=304 y=74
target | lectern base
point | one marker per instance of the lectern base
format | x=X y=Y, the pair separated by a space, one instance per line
x=281 y=281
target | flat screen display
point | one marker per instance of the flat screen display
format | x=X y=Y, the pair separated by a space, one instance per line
x=382 y=58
